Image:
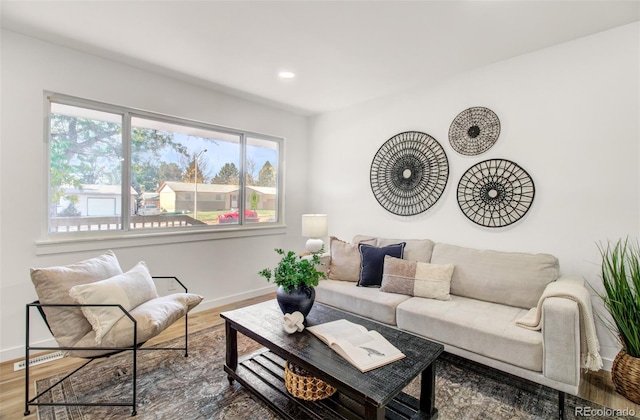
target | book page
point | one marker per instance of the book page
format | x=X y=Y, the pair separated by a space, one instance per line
x=374 y=352
x=364 y=349
x=341 y=329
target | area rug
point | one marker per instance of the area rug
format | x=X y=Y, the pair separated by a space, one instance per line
x=171 y=386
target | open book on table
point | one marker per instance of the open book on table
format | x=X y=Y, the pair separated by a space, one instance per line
x=362 y=348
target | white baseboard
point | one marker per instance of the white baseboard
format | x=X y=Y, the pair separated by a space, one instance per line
x=17 y=353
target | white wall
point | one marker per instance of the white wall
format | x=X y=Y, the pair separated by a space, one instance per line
x=220 y=270
x=569 y=116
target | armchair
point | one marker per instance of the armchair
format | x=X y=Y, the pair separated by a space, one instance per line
x=94 y=310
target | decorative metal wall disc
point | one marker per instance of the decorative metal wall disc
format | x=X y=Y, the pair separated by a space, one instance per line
x=495 y=193
x=474 y=131
x=409 y=173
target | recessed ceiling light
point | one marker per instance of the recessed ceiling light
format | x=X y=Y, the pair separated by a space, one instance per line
x=286 y=74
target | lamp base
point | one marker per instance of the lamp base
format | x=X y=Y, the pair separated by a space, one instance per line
x=314 y=245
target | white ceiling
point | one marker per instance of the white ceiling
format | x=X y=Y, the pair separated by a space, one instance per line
x=343 y=52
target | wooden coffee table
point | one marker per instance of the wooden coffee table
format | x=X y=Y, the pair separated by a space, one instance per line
x=372 y=395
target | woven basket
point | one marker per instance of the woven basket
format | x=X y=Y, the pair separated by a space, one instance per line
x=625 y=374
x=302 y=385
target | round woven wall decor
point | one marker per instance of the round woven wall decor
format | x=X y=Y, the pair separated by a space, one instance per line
x=495 y=193
x=474 y=131
x=409 y=173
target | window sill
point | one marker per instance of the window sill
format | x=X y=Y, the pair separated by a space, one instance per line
x=63 y=245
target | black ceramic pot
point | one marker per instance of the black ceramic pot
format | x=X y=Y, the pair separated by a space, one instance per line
x=300 y=299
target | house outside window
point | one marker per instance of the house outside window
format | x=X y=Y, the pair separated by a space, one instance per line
x=115 y=169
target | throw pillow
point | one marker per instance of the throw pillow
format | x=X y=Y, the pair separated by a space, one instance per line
x=152 y=318
x=414 y=250
x=372 y=262
x=52 y=285
x=417 y=278
x=398 y=276
x=129 y=290
x=345 y=259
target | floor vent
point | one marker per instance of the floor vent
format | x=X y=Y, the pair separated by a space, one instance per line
x=38 y=360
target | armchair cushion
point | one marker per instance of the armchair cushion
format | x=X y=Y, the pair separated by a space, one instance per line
x=128 y=289
x=152 y=317
x=68 y=324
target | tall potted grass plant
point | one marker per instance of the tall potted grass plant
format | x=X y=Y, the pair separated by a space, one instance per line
x=621 y=298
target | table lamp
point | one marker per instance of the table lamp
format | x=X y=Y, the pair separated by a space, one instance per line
x=314 y=227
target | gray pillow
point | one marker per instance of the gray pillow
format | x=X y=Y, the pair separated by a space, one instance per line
x=152 y=317
x=52 y=285
x=415 y=278
x=345 y=258
x=414 y=250
x=129 y=290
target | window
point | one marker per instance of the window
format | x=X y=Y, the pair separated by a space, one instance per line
x=182 y=175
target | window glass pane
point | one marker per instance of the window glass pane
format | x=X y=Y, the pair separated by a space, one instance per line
x=185 y=175
x=181 y=173
x=85 y=178
x=261 y=188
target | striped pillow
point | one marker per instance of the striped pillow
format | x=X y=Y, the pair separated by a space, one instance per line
x=416 y=278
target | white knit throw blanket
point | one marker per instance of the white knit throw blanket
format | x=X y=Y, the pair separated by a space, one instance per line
x=574 y=290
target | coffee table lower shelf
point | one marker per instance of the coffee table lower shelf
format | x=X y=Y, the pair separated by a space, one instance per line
x=262 y=373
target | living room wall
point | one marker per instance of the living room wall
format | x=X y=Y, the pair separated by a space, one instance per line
x=569 y=116
x=220 y=270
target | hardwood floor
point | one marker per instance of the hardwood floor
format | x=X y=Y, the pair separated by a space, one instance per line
x=596 y=386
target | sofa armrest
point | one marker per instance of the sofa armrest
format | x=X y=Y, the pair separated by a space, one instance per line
x=561 y=338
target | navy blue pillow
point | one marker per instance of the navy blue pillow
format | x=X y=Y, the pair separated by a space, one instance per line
x=372 y=262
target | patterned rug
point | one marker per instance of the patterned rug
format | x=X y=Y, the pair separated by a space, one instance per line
x=171 y=386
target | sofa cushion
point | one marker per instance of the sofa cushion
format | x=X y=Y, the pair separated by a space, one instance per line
x=510 y=278
x=52 y=284
x=345 y=258
x=372 y=262
x=365 y=301
x=365 y=239
x=128 y=289
x=152 y=317
x=485 y=328
x=414 y=249
x=416 y=278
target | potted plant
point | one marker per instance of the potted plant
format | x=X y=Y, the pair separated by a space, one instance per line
x=295 y=277
x=621 y=297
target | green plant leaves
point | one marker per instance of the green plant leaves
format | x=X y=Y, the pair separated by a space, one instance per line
x=621 y=281
x=293 y=271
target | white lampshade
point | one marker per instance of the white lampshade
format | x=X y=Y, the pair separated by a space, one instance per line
x=314 y=227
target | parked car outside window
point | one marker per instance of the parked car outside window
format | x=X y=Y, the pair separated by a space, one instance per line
x=232 y=217
x=148 y=210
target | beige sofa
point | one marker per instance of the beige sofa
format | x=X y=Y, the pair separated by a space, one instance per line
x=489 y=292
